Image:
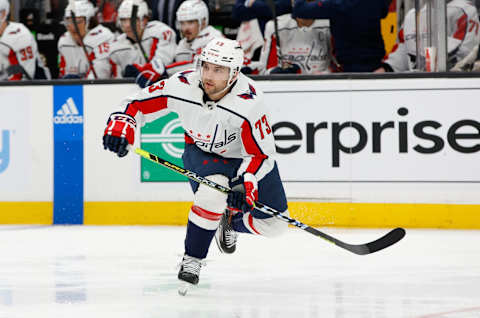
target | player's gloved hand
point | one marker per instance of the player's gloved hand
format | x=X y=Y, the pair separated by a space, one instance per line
x=246 y=70
x=244 y=193
x=120 y=132
x=290 y=69
x=146 y=74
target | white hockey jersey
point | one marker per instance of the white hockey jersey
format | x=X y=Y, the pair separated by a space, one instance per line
x=158 y=41
x=462 y=36
x=308 y=47
x=187 y=53
x=237 y=126
x=18 y=49
x=72 y=57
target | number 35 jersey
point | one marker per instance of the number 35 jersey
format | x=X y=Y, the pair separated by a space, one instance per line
x=237 y=126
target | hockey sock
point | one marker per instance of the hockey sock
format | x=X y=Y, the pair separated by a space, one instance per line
x=198 y=240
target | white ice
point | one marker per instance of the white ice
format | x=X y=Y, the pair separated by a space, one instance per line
x=89 y=271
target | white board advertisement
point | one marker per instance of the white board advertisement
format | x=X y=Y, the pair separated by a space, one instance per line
x=378 y=135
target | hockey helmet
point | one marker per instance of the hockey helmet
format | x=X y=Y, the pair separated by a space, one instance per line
x=224 y=52
x=81 y=8
x=125 y=9
x=192 y=10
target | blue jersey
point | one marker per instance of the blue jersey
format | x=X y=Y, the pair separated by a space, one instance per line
x=355 y=28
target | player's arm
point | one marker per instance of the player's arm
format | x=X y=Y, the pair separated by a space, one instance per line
x=145 y=106
x=161 y=53
x=268 y=55
x=165 y=47
x=463 y=38
x=100 y=55
x=397 y=60
x=320 y=9
x=257 y=146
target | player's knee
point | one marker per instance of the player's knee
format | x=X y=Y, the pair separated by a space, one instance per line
x=211 y=199
x=272 y=227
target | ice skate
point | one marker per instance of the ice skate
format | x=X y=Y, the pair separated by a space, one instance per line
x=189 y=273
x=226 y=237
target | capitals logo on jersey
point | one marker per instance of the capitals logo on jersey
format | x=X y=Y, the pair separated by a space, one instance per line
x=250 y=94
x=183 y=78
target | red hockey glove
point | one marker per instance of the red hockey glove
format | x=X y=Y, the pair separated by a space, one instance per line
x=244 y=193
x=146 y=74
x=119 y=133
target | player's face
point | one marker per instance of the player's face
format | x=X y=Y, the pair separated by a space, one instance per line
x=127 y=27
x=189 y=29
x=82 y=27
x=214 y=79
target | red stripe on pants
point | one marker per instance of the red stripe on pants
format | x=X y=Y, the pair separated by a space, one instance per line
x=212 y=216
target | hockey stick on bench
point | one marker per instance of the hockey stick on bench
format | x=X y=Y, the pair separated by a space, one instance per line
x=385 y=241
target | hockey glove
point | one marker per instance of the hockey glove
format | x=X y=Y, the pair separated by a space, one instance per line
x=290 y=69
x=146 y=74
x=119 y=133
x=244 y=193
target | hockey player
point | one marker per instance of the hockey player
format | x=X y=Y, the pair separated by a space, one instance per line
x=228 y=139
x=158 y=42
x=19 y=57
x=305 y=47
x=92 y=39
x=192 y=21
x=463 y=38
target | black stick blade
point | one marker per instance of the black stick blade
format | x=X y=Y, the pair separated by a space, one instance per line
x=388 y=239
x=385 y=241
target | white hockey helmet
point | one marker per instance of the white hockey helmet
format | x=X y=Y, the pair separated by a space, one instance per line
x=4 y=5
x=192 y=10
x=125 y=9
x=224 y=52
x=81 y=8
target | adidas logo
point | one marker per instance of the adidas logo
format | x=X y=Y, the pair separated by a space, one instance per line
x=68 y=114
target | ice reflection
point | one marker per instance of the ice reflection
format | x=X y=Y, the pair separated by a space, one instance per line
x=70 y=280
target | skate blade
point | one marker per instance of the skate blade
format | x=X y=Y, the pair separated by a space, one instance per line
x=184 y=288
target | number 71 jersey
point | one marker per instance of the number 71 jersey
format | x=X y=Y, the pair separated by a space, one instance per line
x=237 y=126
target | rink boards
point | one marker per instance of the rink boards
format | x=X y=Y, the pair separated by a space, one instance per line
x=353 y=152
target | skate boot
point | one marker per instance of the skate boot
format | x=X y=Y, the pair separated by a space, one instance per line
x=189 y=273
x=226 y=237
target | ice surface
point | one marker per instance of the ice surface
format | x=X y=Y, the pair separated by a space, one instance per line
x=88 y=271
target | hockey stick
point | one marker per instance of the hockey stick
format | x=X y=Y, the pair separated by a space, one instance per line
x=385 y=241
x=133 y=25
x=271 y=4
x=74 y=20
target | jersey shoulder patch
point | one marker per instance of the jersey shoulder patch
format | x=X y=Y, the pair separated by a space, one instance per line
x=97 y=36
x=251 y=93
x=183 y=76
x=17 y=36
